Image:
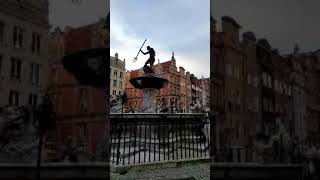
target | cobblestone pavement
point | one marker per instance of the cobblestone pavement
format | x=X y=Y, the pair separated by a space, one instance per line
x=192 y=170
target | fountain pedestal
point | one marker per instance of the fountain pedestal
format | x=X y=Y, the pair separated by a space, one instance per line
x=149 y=100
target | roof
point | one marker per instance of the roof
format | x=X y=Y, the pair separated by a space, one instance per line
x=134 y=73
x=165 y=65
x=117 y=63
x=231 y=20
x=264 y=43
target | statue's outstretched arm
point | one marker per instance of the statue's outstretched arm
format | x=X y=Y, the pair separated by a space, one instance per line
x=144 y=52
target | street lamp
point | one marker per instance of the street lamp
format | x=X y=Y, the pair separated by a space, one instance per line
x=45 y=117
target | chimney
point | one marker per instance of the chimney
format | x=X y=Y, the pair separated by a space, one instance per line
x=213 y=25
x=181 y=69
x=116 y=56
x=249 y=38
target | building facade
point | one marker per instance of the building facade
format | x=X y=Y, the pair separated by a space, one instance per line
x=79 y=109
x=311 y=63
x=177 y=93
x=134 y=95
x=117 y=75
x=24 y=29
x=256 y=92
x=205 y=92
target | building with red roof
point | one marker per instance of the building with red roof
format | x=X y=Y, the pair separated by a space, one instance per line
x=177 y=93
x=79 y=109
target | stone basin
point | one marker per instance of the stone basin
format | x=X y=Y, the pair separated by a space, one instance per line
x=149 y=82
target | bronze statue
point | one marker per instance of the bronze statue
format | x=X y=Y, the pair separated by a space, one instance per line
x=152 y=54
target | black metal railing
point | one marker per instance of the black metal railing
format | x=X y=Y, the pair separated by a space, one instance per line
x=235 y=154
x=142 y=138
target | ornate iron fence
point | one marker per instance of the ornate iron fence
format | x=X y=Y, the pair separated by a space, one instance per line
x=142 y=138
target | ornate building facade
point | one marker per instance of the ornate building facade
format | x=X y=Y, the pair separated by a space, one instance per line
x=117 y=75
x=80 y=110
x=256 y=92
x=178 y=93
x=24 y=29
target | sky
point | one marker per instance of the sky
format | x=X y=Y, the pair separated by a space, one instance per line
x=179 y=26
x=282 y=22
x=64 y=12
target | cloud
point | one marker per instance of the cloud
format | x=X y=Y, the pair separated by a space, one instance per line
x=283 y=23
x=169 y=26
x=64 y=12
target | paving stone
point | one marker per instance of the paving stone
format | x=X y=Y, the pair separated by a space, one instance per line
x=169 y=171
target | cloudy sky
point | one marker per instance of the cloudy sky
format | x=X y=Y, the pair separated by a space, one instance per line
x=64 y=12
x=282 y=22
x=182 y=26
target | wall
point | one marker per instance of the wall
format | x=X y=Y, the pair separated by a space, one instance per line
x=13 y=14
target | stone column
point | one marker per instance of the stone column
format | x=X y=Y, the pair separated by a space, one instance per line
x=149 y=100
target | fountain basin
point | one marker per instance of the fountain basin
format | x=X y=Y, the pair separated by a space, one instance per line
x=89 y=66
x=149 y=82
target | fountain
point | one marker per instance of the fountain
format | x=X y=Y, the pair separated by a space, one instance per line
x=141 y=134
x=186 y=132
x=149 y=83
x=19 y=135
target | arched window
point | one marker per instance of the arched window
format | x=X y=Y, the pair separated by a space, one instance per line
x=83 y=100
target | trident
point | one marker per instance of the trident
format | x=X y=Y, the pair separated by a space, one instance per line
x=136 y=58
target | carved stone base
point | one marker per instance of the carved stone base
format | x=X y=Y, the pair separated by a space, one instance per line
x=147 y=70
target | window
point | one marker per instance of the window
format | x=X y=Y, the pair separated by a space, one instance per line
x=285 y=88
x=256 y=105
x=170 y=90
x=34 y=73
x=230 y=105
x=256 y=81
x=237 y=72
x=54 y=76
x=276 y=85
x=1 y=32
x=280 y=87
x=264 y=79
x=229 y=69
x=55 y=100
x=35 y=45
x=114 y=83
x=14 y=98
x=83 y=98
x=265 y=104
x=17 y=37
x=289 y=90
x=270 y=106
x=115 y=73
x=33 y=100
x=269 y=81
x=15 y=68
x=1 y=64
x=114 y=92
x=83 y=130
x=249 y=79
x=120 y=84
x=120 y=92
x=121 y=74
